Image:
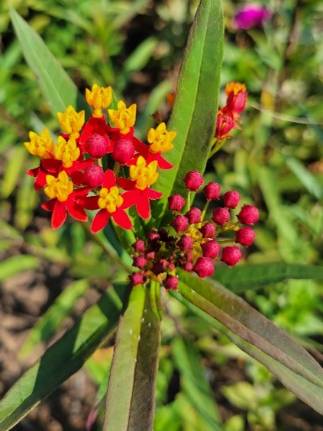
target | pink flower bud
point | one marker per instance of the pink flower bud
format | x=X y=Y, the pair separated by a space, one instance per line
x=180 y=223
x=188 y=266
x=153 y=236
x=249 y=214
x=246 y=236
x=140 y=261
x=186 y=243
x=231 y=255
x=231 y=199
x=97 y=145
x=139 y=246
x=221 y=216
x=123 y=150
x=208 y=230
x=194 y=215
x=193 y=180
x=137 y=278
x=224 y=123
x=211 y=249
x=151 y=255
x=171 y=282
x=204 y=267
x=176 y=203
x=212 y=191
x=160 y=266
x=94 y=176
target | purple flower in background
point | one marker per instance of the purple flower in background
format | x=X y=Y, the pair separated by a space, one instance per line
x=251 y=15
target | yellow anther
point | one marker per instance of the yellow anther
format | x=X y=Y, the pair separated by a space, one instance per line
x=160 y=139
x=194 y=233
x=110 y=199
x=123 y=117
x=71 y=121
x=40 y=145
x=98 y=98
x=66 y=151
x=60 y=187
x=235 y=88
x=144 y=174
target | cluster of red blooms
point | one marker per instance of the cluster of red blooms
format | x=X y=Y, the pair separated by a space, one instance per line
x=96 y=164
x=228 y=116
x=192 y=242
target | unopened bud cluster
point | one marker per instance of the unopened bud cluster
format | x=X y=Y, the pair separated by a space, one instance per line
x=193 y=241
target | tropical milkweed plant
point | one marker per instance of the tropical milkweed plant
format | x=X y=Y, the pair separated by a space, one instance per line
x=147 y=203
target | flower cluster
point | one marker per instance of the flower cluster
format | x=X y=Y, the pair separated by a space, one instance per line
x=192 y=241
x=228 y=116
x=98 y=163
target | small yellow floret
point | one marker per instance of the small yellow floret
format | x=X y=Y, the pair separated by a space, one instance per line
x=60 y=187
x=144 y=175
x=71 y=121
x=40 y=145
x=123 y=117
x=98 y=98
x=235 y=88
x=110 y=199
x=66 y=151
x=160 y=139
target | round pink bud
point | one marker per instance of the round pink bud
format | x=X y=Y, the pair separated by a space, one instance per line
x=212 y=191
x=176 y=202
x=231 y=255
x=160 y=266
x=180 y=223
x=204 y=267
x=97 y=145
x=188 y=266
x=249 y=214
x=137 y=278
x=123 y=150
x=193 y=180
x=171 y=282
x=139 y=246
x=194 y=215
x=140 y=261
x=153 y=236
x=245 y=236
x=221 y=215
x=94 y=176
x=211 y=249
x=208 y=230
x=151 y=255
x=231 y=199
x=186 y=243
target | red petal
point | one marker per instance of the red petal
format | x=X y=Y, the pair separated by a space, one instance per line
x=110 y=179
x=76 y=211
x=52 y=166
x=100 y=220
x=48 y=205
x=122 y=219
x=90 y=203
x=40 y=180
x=59 y=215
x=143 y=207
x=130 y=198
x=153 y=194
x=126 y=184
x=33 y=172
x=93 y=125
x=163 y=163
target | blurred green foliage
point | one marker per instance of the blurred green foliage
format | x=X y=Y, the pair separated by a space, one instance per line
x=275 y=159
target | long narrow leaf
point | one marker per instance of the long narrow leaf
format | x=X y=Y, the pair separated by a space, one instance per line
x=62 y=359
x=247 y=323
x=56 y=85
x=130 y=399
x=195 y=107
x=251 y=276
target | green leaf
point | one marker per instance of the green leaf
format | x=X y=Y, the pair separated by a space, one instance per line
x=13 y=170
x=251 y=276
x=247 y=323
x=130 y=398
x=51 y=320
x=305 y=177
x=16 y=264
x=194 y=112
x=62 y=359
x=56 y=85
x=195 y=385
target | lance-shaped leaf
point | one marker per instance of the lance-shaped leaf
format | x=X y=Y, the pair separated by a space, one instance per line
x=194 y=112
x=251 y=276
x=130 y=398
x=56 y=85
x=251 y=326
x=62 y=359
